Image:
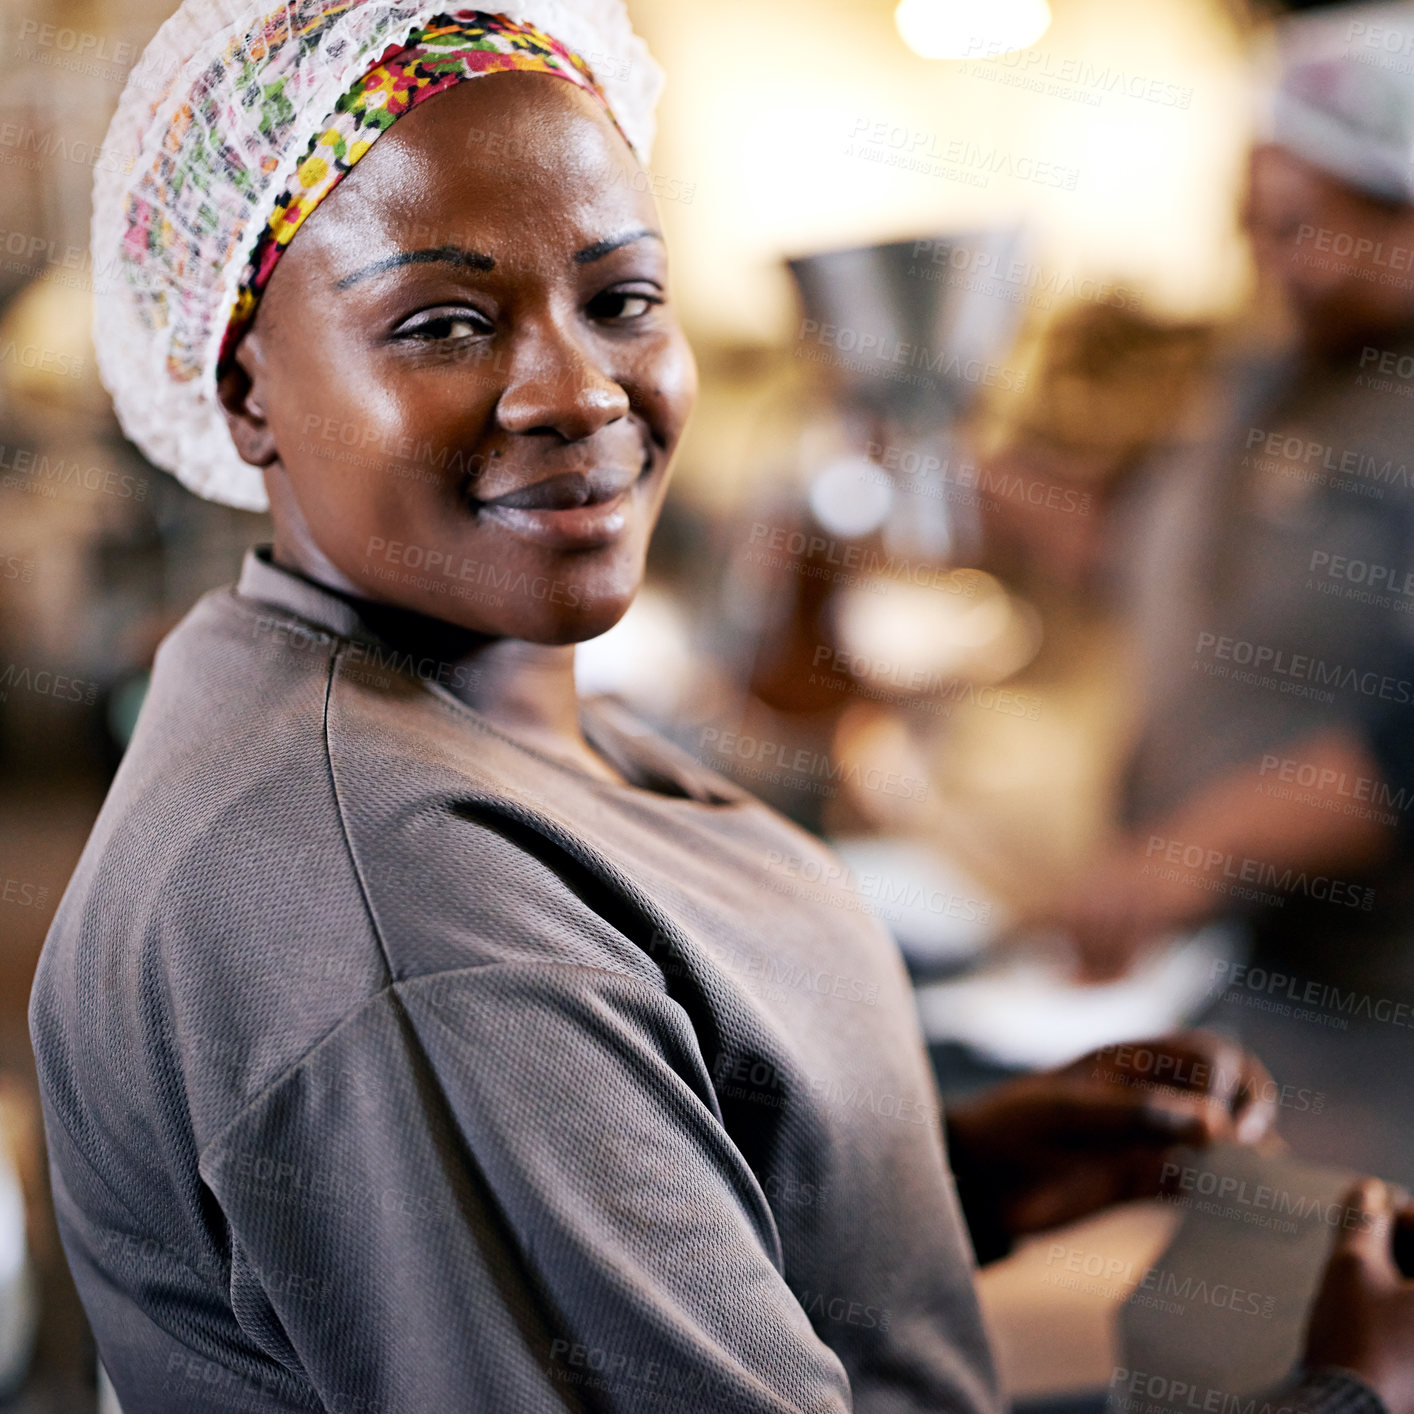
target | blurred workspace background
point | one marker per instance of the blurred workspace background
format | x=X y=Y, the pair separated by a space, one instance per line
x=983 y=345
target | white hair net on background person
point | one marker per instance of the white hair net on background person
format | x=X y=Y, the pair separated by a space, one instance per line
x=1340 y=95
x=237 y=120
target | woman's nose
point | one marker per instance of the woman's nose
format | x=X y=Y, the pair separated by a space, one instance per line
x=557 y=384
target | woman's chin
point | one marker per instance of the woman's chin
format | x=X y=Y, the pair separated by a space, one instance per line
x=587 y=619
x=566 y=613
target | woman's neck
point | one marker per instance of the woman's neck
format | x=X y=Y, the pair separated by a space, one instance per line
x=526 y=688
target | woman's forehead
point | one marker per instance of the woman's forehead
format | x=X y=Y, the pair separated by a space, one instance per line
x=515 y=158
x=519 y=134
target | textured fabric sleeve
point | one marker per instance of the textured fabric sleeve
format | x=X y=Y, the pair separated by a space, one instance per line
x=1333 y=1391
x=1389 y=735
x=1387 y=724
x=508 y=1189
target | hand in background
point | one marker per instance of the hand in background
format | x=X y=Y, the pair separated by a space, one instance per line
x=1048 y=1149
x=1180 y=870
x=1125 y=901
x=1363 y=1317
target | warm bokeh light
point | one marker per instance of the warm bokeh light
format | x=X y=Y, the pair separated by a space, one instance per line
x=1117 y=141
x=959 y=29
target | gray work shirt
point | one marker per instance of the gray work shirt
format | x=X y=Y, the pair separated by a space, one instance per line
x=390 y=1065
x=1270 y=573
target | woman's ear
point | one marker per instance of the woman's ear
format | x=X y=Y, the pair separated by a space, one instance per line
x=239 y=392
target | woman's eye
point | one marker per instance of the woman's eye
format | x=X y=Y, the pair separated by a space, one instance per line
x=622 y=306
x=444 y=326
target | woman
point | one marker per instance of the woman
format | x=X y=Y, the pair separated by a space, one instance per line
x=414 y=1037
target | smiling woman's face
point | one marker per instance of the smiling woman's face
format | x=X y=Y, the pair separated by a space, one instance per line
x=464 y=380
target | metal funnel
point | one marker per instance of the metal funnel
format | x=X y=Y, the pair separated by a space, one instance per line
x=911 y=330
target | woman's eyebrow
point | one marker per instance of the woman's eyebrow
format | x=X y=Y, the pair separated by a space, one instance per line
x=437 y=255
x=600 y=249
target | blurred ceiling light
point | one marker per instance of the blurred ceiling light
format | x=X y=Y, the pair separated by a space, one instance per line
x=46 y=359
x=851 y=496
x=921 y=638
x=964 y=29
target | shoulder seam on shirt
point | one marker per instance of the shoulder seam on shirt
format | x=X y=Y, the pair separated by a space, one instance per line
x=343 y=824
x=390 y=991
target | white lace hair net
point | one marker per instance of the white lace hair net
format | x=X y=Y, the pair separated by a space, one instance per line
x=1339 y=93
x=169 y=243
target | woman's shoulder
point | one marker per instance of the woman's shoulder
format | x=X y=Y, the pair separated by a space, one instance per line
x=228 y=751
x=297 y=806
x=214 y=916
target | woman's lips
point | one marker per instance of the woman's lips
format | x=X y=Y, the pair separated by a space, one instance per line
x=577 y=528
x=557 y=521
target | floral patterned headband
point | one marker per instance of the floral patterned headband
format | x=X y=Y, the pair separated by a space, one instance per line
x=448 y=50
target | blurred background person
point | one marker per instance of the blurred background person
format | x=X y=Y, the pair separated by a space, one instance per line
x=1268 y=563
